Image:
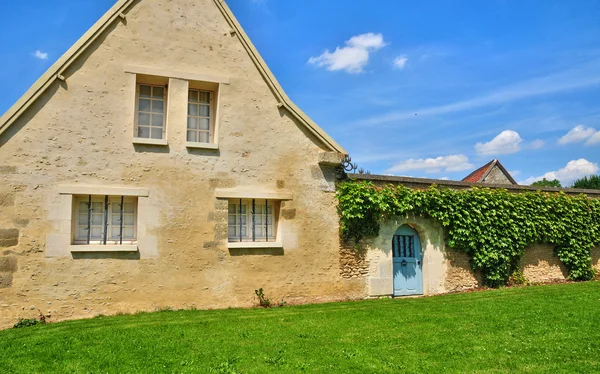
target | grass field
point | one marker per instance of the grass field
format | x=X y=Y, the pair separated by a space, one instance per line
x=548 y=329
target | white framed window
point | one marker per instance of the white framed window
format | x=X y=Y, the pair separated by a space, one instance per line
x=200 y=126
x=104 y=220
x=150 y=111
x=252 y=220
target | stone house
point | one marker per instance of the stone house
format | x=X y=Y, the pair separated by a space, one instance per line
x=492 y=173
x=159 y=163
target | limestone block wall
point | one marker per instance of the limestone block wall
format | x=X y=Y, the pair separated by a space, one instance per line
x=540 y=265
x=496 y=176
x=79 y=132
x=446 y=269
x=379 y=256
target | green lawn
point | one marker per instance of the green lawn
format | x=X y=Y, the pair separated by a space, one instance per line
x=548 y=329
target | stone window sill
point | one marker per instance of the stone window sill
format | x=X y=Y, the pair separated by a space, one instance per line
x=199 y=145
x=103 y=248
x=150 y=141
x=235 y=245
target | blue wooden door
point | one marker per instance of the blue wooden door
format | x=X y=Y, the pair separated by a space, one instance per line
x=408 y=275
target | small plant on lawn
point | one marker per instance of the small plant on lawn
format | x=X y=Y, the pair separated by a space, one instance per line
x=228 y=366
x=263 y=301
x=276 y=360
x=517 y=278
x=26 y=322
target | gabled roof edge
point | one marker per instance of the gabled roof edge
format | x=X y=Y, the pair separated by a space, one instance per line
x=506 y=173
x=487 y=168
x=273 y=83
x=493 y=163
x=56 y=70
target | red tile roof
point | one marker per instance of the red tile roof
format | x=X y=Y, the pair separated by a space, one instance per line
x=480 y=174
x=477 y=175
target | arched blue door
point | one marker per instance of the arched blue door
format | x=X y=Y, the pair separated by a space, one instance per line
x=408 y=275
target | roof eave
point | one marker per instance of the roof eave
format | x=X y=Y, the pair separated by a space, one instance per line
x=57 y=69
x=273 y=83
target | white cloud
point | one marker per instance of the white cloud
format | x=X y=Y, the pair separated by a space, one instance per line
x=433 y=165
x=40 y=55
x=537 y=144
x=506 y=142
x=353 y=57
x=594 y=139
x=400 y=62
x=582 y=76
x=514 y=173
x=575 y=169
x=577 y=135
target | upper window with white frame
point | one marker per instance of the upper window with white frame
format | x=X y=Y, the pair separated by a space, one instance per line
x=200 y=126
x=252 y=220
x=150 y=111
x=104 y=220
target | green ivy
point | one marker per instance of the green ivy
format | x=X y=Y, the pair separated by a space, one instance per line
x=493 y=226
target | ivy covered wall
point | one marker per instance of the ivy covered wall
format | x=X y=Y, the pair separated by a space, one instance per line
x=493 y=226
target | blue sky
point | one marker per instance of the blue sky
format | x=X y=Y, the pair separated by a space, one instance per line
x=426 y=89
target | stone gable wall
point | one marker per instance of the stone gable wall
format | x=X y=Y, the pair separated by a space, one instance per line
x=80 y=132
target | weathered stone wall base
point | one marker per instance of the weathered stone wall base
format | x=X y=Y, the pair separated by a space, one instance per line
x=459 y=273
x=540 y=265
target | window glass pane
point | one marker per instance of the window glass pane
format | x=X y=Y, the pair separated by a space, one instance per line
x=82 y=233
x=204 y=110
x=192 y=123
x=128 y=219
x=144 y=105
x=115 y=219
x=232 y=220
x=97 y=233
x=192 y=136
x=157 y=120
x=128 y=207
x=156 y=132
x=143 y=132
x=83 y=219
x=193 y=95
x=143 y=119
x=192 y=109
x=144 y=90
x=128 y=233
x=203 y=137
x=203 y=123
x=204 y=97
x=231 y=232
x=158 y=106
x=97 y=207
x=158 y=91
x=97 y=219
x=115 y=232
x=83 y=207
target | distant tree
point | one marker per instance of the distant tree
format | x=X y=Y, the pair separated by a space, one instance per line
x=546 y=183
x=592 y=182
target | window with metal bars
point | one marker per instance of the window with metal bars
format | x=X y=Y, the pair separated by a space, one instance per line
x=105 y=220
x=252 y=220
x=403 y=246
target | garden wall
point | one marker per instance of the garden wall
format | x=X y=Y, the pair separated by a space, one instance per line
x=445 y=269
